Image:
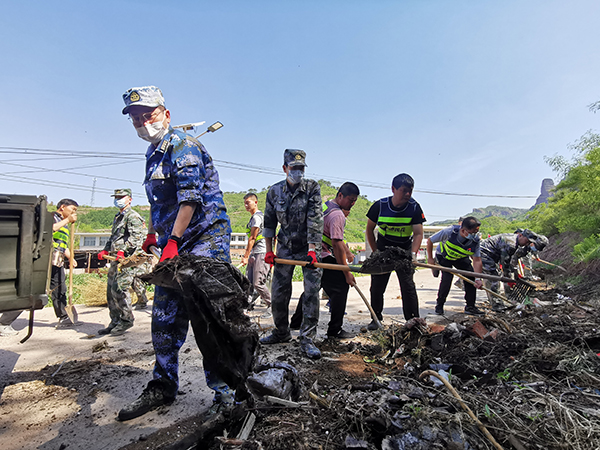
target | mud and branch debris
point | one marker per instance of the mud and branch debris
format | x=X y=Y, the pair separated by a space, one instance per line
x=389 y=260
x=215 y=294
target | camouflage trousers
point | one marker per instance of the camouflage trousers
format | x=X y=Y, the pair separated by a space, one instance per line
x=117 y=293
x=170 y=323
x=281 y=293
x=491 y=268
x=138 y=286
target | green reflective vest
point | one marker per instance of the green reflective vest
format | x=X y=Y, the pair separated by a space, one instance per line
x=452 y=250
x=61 y=236
x=249 y=229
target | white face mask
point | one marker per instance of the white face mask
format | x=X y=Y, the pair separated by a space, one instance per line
x=152 y=132
x=295 y=176
x=121 y=202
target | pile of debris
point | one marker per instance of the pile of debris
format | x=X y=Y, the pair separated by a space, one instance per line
x=526 y=380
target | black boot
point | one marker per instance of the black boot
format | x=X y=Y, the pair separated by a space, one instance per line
x=152 y=397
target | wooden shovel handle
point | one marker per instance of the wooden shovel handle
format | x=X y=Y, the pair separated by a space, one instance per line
x=71 y=260
x=293 y=262
x=468 y=280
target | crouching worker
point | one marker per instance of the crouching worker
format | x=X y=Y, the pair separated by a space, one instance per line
x=504 y=250
x=188 y=213
x=457 y=244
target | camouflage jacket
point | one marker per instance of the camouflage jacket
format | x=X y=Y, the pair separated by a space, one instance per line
x=300 y=214
x=128 y=233
x=503 y=249
x=181 y=170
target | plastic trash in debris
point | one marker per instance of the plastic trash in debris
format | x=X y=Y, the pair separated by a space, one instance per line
x=404 y=442
x=275 y=379
x=455 y=327
x=436 y=381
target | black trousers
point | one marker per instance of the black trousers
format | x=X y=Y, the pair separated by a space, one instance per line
x=410 y=301
x=334 y=284
x=447 y=277
x=58 y=291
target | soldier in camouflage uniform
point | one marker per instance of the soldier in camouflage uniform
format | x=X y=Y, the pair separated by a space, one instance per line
x=189 y=215
x=294 y=203
x=126 y=238
x=504 y=250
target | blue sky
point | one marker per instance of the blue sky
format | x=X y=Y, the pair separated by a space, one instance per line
x=466 y=96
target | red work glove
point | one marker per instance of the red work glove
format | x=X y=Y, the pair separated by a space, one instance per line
x=102 y=254
x=270 y=258
x=149 y=242
x=170 y=250
x=311 y=257
x=120 y=255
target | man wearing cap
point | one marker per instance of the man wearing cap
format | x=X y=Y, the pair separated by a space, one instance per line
x=188 y=213
x=295 y=204
x=504 y=250
x=126 y=238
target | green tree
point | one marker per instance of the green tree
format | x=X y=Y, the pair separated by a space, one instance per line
x=576 y=202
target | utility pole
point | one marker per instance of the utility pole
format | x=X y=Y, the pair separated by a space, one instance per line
x=93 y=192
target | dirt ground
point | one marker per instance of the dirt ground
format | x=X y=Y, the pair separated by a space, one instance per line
x=63 y=388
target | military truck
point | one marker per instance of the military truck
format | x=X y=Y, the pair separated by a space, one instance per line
x=25 y=249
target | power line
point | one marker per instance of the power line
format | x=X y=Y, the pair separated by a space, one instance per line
x=77 y=187
x=229 y=165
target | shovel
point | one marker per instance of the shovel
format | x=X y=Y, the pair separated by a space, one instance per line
x=71 y=311
x=391 y=268
x=553 y=265
x=489 y=291
x=520 y=292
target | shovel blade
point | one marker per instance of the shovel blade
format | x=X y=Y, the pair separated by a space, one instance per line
x=71 y=312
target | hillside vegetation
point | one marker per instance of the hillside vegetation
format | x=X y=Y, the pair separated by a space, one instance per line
x=100 y=219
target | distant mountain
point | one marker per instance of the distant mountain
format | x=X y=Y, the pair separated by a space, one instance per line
x=499 y=211
x=504 y=212
x=545 y=192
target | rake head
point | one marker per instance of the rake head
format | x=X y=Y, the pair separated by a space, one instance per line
x=521 y=291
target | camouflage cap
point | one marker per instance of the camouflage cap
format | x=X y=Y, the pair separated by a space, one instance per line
x=541 y=242
x=150 y=96
x=121 y=193
x=294 y=157
x=528 y=234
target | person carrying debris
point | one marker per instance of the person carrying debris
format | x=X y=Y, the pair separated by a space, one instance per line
x=294 y=203
x=457 y=245
x=126 y=238
x=400 y=221
x=257 y=269
x=505 y=250
x=189 y=215
x=65 y=215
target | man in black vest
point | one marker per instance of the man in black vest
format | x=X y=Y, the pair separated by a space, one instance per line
x=400 y=221
x=457 y=244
